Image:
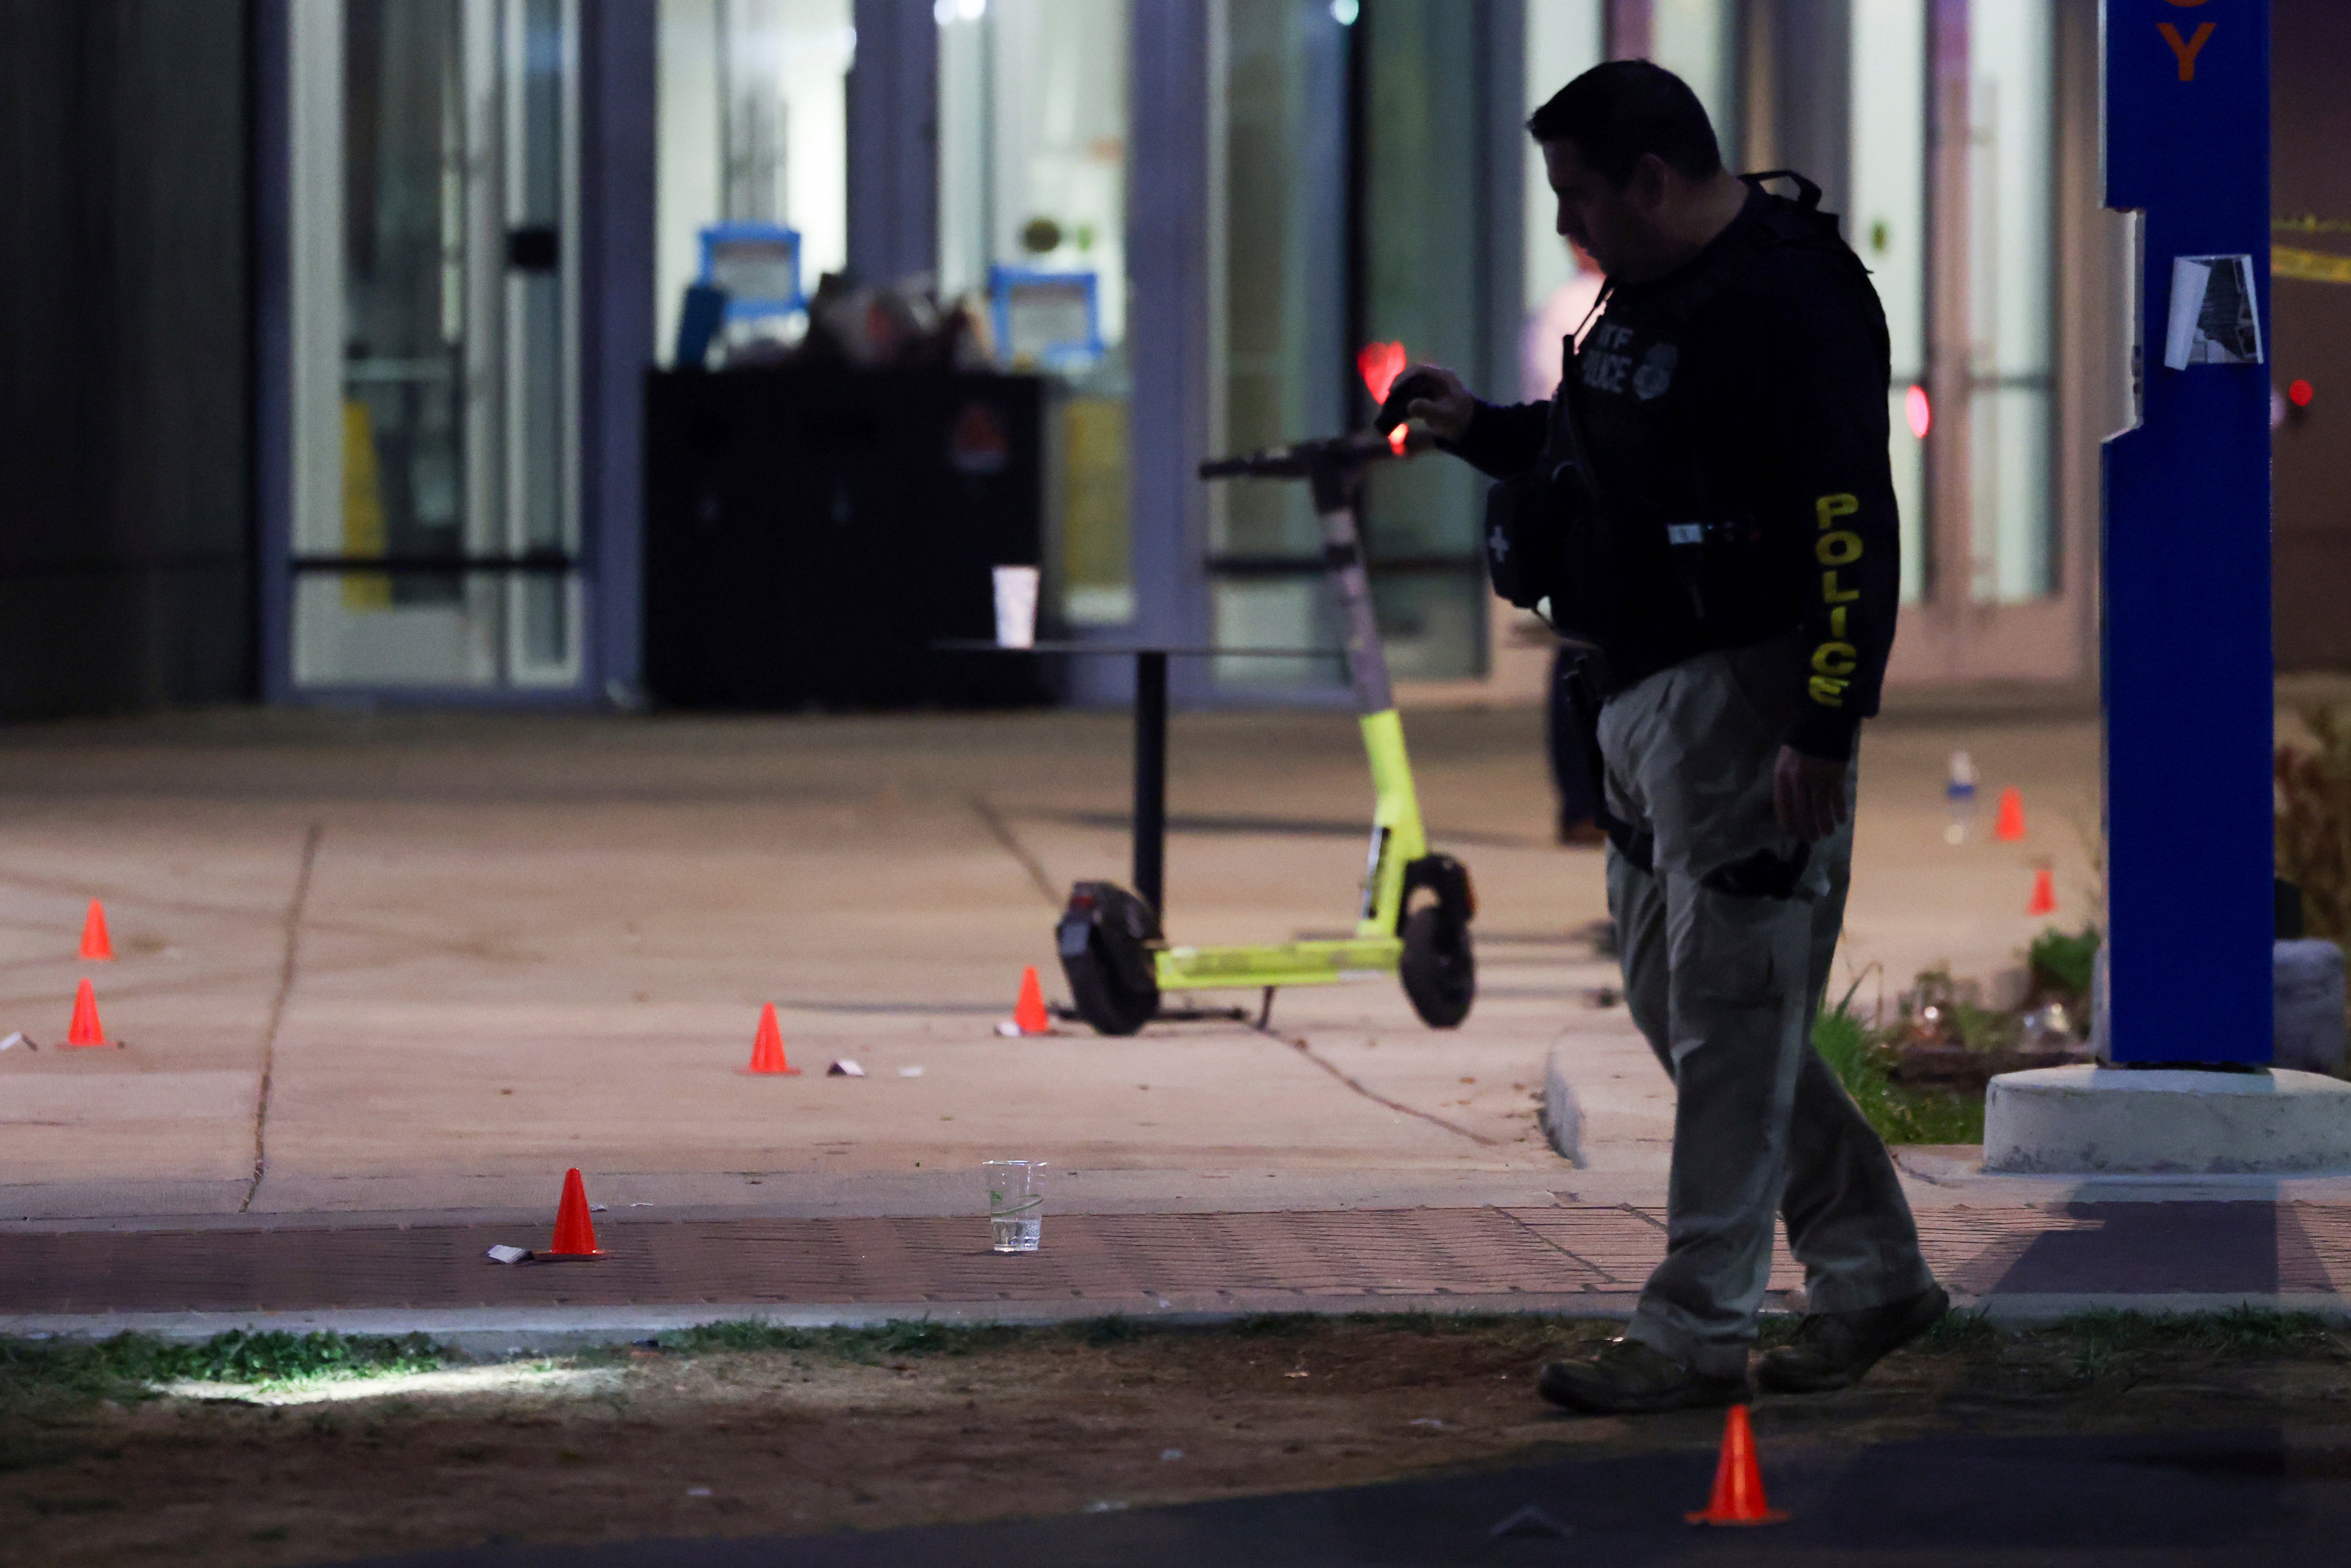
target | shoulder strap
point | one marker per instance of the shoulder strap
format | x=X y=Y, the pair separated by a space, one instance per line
x=1800 y=221
x=1808 y=195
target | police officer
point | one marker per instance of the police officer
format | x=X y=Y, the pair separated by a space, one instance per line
x=1708 y=499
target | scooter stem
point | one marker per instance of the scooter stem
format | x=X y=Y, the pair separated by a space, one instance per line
x=1397 y=836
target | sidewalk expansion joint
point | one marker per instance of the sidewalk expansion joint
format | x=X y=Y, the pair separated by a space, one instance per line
x=286 y=970
x=1001 y=830
x=1298 y=1044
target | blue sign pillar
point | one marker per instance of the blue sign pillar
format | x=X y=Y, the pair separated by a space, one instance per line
x=2189 y=695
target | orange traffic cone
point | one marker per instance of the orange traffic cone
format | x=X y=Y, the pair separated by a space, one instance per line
x=767 y=1045
x=1738 y=1484
x=2009 y=826
x=575 y=1233
x=2045 y=894
x=85 y=1028
x=96 y=946
x=1028 y=1014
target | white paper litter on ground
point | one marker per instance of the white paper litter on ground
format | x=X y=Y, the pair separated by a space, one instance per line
x=910 y=1072
x=504 y=1254
x=19 y=1039
x=844 y=1067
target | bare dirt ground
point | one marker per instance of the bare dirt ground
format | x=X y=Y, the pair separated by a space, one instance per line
x=789 y=1433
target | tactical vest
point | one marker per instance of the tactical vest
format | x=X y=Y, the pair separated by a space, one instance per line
x=1662 y=557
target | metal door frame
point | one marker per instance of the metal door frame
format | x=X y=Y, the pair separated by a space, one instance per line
x=606 y=266
x=1947 y=637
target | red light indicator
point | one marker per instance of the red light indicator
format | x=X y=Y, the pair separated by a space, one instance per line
x=2299 y=393
x=1918 y=411
x=1396 y=439
x=1380 y=364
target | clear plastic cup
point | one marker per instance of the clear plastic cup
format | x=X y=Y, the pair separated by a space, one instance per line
x=1016 y=1207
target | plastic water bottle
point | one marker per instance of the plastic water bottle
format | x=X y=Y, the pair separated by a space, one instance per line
x=1959 y=793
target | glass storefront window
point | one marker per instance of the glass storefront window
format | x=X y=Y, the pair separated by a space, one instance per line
x=434 y=382
x=1280 y=176
x=752 y=129
x=2011 y=242
x=1032 y=222
x=1423 y=198
x=1888 y=229
x=1698 y=40
x=1564 y=39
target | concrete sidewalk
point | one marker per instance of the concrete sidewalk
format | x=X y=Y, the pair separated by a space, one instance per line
x=406 y=970
x=423 y=963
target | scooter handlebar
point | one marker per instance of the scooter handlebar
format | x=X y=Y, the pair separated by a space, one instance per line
x=1297 y=461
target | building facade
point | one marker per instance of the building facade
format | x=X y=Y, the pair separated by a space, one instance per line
x=391 y=446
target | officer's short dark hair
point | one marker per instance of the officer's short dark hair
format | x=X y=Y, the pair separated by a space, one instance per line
x=1616 y=112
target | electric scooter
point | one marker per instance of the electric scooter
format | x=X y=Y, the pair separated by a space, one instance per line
x=1414 y=919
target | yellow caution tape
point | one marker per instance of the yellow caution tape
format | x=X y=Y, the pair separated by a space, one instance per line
x=2310 y=266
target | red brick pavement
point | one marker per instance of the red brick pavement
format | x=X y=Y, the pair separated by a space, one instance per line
x=1116 y=1262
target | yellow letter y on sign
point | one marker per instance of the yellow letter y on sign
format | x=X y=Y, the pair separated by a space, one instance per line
x=2186 y=48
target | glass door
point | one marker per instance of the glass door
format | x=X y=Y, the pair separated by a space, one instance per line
x=436 y=520
x=1993 y=589
x=1279 y=194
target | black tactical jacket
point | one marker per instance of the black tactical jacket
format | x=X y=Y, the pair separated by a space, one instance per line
x=1734 y=415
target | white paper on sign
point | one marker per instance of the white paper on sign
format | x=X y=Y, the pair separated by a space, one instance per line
x=2212 y=319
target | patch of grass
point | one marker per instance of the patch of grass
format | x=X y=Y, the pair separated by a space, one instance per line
x=901 y=1339
x=1963 y=1332
x=2094 y=1345
x=1855 y=1051
x=1278 y=1325
x=2313 y=822
x=2061 y=962
x=1438 y=1326
x=1115 y=1329
x=2242 y=1333
x=35 y=1373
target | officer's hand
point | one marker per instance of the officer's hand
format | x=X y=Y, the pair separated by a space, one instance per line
x=1448 y=414
x=1808 y=794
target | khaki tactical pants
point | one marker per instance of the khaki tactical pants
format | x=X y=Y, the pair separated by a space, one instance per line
x=1725 y=984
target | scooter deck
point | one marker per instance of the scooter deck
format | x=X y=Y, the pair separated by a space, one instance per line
x=1282 y=964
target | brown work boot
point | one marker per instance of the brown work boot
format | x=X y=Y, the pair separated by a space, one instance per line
x=1628 y=1378
x=1832 y=1350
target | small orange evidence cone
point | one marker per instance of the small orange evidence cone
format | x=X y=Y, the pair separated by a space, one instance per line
x=767 y=1045
x=85 y=1028
x=97 y=947
x=2009 y=826
x=1738 y=1483
x=2045 y=894
x=1028 y=1014
x=575 y=1233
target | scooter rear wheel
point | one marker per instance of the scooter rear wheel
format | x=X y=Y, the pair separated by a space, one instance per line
x=1438 y=970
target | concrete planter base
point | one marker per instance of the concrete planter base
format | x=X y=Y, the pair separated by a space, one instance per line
x=2101 y=1121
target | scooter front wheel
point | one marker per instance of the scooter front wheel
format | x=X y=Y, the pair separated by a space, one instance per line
x=1438 y=970
x=1104 y=940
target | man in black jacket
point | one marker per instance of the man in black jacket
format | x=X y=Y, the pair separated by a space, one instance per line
x=1708 y=498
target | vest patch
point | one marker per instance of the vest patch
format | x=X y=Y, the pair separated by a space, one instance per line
x=1657 y=371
